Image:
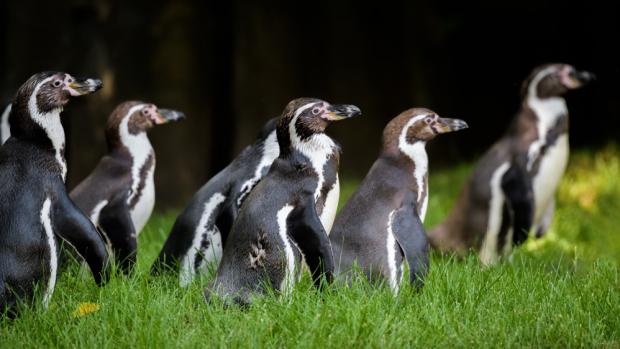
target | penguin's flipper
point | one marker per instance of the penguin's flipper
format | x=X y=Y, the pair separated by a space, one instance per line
x=75 y=228
x=411 y=237
x=517 y=187
x=308 y=232
x=116 y=222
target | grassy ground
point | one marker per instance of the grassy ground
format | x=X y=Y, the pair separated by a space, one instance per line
x=563 y=291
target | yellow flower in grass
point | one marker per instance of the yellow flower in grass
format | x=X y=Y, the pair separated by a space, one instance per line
x=84 y=309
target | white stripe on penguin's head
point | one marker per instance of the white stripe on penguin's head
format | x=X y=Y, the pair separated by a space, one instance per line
x=50 y=122
x=403 y=145
x=124 y=133
x=532 y=88
x=295 y=139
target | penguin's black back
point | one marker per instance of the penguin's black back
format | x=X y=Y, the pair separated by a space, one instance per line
x=363 y=220
x=228 y=182
x=288 y=182
x=25 y=183
x=110 y=178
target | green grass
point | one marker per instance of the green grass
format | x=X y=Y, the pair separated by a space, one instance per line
x=562 y=291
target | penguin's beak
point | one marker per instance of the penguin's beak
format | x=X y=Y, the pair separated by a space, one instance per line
x=164 y=116
x=574 y=79
x=445 y=125
x=80 y=87
x=341 y=112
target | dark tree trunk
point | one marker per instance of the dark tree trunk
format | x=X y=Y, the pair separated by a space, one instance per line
x=222 y=82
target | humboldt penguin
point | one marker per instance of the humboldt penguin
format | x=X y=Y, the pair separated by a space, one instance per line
x=200 y=231
x=119 y=195
x=380 y=227
x=35 y=210
x=279 y=223
x=511 y=193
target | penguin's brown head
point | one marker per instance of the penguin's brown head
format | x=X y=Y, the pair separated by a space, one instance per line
x=135 y=117
x=554 y=80
x=304 y=117
x=52 y=91
x=417 y=125
x=35 y=110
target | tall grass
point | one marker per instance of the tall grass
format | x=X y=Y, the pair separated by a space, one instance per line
x=562 y=291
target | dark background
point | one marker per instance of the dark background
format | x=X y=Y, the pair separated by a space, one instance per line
x=229 y=65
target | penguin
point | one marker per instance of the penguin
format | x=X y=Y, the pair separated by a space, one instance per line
x=5 y=129
x=380 y=227
x=119 y=195
x=511 y=193
x=279 y=221
x=200 y=231
x=35 y=209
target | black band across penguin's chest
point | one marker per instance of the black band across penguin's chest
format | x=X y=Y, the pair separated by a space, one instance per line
x=559 y=128
x=330 y=176
x=144 y=173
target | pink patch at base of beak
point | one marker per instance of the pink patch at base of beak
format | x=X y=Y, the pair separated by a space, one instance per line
x=155 y=116
x=158 y=119
x=68 y=80
x=567 y=80
x=72 y=92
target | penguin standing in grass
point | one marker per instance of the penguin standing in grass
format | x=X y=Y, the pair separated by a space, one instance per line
x=380 y=227
x=198 y=234
x=35 y=209
x=119 y=195
x=279 y=221
x=512 y=189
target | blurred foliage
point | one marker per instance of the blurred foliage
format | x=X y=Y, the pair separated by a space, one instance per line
x=587 y=220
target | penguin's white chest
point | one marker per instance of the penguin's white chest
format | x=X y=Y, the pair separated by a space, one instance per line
x=143 y=208
x=331 y=206
x=319 y=149
x=141 y=198
x=550 y=172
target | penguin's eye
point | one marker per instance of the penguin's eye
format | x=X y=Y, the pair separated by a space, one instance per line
x=316 y=111
x=57 y=83
x=145 y=112
x=428 y=120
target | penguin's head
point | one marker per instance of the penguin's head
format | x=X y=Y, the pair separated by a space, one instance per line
x=554 y=80
x=304 y=117
x=417 y=125
x=136 y=117
x=53 y=90
x=35 y=110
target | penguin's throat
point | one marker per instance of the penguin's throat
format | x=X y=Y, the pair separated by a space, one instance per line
x=547 y=110
x=50 y=123
x=547 y=113
x=318 y=143
x=418 y=157
x=142 y=161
